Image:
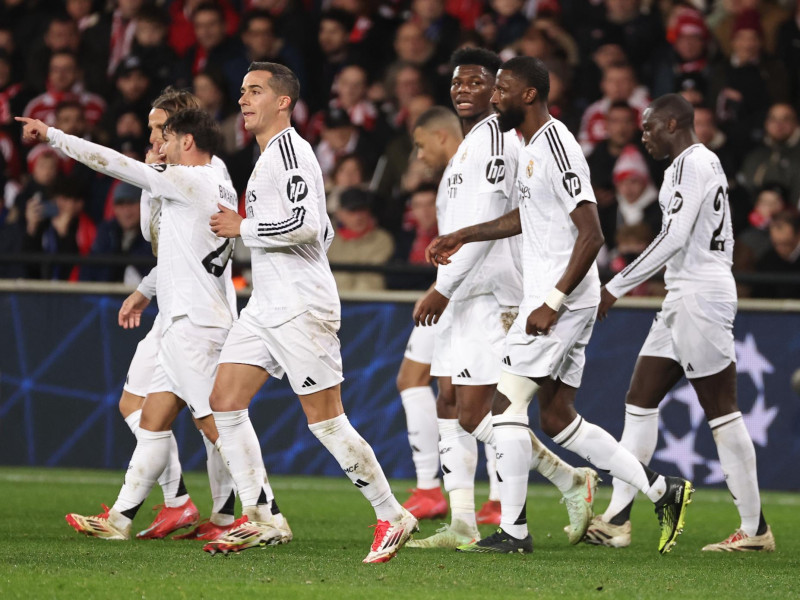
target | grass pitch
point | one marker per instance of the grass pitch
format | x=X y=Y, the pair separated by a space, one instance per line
x=42 y=557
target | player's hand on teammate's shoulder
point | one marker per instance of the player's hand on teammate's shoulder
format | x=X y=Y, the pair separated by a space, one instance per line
x=607 y=300
x=154 y=155
x=33 y=130
x=226 y=223
x=429 y=308
x=541 y=320
x=130 y=313
x=442 y=248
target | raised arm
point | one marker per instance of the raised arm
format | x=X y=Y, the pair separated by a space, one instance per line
x=97 y=157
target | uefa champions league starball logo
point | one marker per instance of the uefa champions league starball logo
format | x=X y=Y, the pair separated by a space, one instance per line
x=680 y=445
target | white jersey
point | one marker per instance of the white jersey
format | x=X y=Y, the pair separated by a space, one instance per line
x=288 y=232
x=150 y=220
x=480 y=188
x=696 y=238
x=191 y=259
x=553 y=178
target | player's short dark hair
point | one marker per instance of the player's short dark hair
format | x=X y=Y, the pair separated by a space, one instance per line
x=532 y=72
x=172 y=99
x=283 y=81
x=476 y=56
x=342 y=17
x=209 y=7
x=674 y=106
x=199 y=125
x=436 y=115
x=255 y=15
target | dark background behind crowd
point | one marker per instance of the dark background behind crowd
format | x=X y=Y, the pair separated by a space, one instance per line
x=368 y=69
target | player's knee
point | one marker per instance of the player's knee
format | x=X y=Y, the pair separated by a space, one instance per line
x=551 y=424
x=470 y=418
x=518 y=392
x=218 y=401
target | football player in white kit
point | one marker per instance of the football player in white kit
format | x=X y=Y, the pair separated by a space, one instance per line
x=485 y=286
x=692 y=335
x=178 y=510
x=544 y=350
x=193 y=301
x=290 y=323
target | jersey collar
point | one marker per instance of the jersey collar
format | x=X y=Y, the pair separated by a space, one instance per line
x=550 y=121
x=479 y=123
x=687 y=151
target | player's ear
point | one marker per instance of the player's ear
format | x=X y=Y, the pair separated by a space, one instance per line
x=284 y=102
x=530 y=94
x=188 y=141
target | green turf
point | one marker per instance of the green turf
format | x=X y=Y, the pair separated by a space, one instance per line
x=41 y=557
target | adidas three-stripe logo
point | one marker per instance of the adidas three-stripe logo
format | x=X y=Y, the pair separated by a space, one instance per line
x=507 y=360
x=360 y=483
x=309 y=382
x=464 y=373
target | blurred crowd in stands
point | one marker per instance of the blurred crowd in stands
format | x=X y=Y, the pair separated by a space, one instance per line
x=368 y=69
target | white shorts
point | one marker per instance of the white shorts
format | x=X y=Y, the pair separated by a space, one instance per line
x=472 y=354
x=305 y=348
x=143 y=363
x=420 y=344
x=441 y=361
x=561 y=354
x=187 y=363
x=694 y=332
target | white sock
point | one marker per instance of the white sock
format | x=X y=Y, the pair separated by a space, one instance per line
x=550 y=466
x=241 y=452
x=171 y=479
x=737 y=456
x=458 y=453
x=133 y=420
x=223 y=495
x=357 y=460
x=513 y=464
x=148 y=461
x=598 y=447
x=419 y=404
x=640 y=437
x=491 y=472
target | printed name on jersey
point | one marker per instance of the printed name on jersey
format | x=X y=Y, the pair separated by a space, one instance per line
x=228 y=195
x=287 y=151
x=453 y=182
x=161 y=167
x=296 y=189
x=524 y=191
x=290 y=224
x=495 y=170
x=571 y=183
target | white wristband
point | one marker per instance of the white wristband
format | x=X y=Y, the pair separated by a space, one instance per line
x=555 y=299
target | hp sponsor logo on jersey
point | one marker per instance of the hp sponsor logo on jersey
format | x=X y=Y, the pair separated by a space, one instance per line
x=296 y=189
x=676 y=203
x=572 y=183
x=495 y=170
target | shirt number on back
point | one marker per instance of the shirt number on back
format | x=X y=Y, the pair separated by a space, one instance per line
x=222 y=255
x=720 y=202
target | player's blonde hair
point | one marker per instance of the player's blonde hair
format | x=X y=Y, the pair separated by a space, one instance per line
x=172 y=100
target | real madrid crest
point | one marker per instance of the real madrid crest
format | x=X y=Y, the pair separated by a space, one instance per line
x=464 y=156
x=529 y=169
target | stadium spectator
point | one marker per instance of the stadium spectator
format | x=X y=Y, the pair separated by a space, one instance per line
x=214 y=49
x=64 y=82
x=61 y=35
x=419 y=229
x=747 y=83
x=83 y=12
x=403 y=83
x=641 y=32
x=340 y=137
x=211 y=90
x=372 y=33
x=69 y=231
x=630 y=241
x=768 y=13
x=688 y=53
x=503 y=25
x=32 y=199
x=150 y=44
x=132 y=93
x=412 y=47
x=348 y=173
x=262 y=44
x=359 y=240
x=776 y=160
x=333 y=39
x=438 y=27
x=120 y=236
x=753 y=243
x=11 y=98
x=618 y=84
x=181 y=28
x=783 y=258
x=111 y=39
x=788 y=50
